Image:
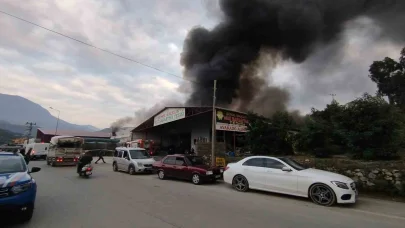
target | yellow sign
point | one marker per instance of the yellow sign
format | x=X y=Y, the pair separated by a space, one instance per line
x=220 y=161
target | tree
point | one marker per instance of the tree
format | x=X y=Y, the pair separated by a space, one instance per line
x=372 y=128
x=321 y=133
x=270 y=136
x=389 y=75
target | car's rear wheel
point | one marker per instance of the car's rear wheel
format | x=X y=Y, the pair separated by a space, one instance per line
x=131 y=170
x=240 y=183
x=161 y=175
x=196 y=179
x=322 y=194
x=115 y=167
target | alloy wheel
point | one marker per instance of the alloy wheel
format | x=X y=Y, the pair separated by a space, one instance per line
x=196 y=179
x=322 y=195
x=131 y=170
x=240 y=183
x=161 y=175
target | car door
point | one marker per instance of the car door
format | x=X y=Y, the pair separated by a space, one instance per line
x=180 y=169
x=119 y=159
x=126 y=160
x=255 y=172
x=279 y=180
x=168 y=165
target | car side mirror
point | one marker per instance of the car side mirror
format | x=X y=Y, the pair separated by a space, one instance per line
x=35 y=169
x=286 y=169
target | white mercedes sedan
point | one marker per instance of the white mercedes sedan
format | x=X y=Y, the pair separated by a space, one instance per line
x=284 y=175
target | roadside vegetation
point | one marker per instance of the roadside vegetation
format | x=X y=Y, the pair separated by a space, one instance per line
x=365 y=131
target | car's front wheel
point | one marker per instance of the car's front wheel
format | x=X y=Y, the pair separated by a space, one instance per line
x=131 y=170
x=196 y=179
x=322 y=194
x=240 y=183
x=115 y=167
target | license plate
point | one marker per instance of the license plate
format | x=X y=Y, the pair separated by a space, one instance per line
x=88 y=173
x=217 y=176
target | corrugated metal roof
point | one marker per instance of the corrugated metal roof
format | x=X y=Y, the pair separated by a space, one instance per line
x=77 y=133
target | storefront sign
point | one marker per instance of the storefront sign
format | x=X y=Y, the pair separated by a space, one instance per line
x=169 y=115
x=220 y=161
x=231 y=121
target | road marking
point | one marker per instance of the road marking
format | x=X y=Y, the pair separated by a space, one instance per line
x=379 y=214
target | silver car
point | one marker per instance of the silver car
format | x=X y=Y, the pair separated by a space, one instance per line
x=132 y=160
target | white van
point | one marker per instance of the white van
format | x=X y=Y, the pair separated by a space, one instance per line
x=132 y=160
x=37 y=150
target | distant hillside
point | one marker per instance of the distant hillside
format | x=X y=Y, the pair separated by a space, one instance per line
x=20 y=129
x=7 y=136
x=16 y=111
x=106 y=130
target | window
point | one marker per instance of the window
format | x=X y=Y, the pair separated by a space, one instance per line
x=170 y=161
x=257 y=162
x=12 y=164
x=115 y=153
x=120 y=154
x=125 y=153
x=297 y=166
x=273 y=164
x=195 y=160
x=139 y=154
x=180 y=161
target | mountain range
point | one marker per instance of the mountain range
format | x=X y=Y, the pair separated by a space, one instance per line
x=16 y=111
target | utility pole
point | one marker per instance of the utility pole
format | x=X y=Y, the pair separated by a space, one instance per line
x=213 y=138
x=29 y=129
x=57 y=122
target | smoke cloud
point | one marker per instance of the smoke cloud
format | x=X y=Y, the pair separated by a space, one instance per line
x=256 y=35
x=143 y=114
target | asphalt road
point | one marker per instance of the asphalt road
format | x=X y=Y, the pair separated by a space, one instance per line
x=112 y=199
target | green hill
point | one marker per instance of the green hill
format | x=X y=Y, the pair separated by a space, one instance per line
x=7 y=136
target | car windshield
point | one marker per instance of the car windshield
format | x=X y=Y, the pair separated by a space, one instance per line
x=195 y=160
x=139 y=154
x=297 y=166
x=12 y=164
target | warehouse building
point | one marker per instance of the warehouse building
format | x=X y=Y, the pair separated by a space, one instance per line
x=180 y=129
x=46 y=135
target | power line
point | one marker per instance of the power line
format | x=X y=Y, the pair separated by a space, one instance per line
x=98 y=48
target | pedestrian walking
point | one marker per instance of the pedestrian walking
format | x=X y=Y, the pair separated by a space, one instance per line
x=100 y=156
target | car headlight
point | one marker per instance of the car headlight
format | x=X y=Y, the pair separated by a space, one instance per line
x=209 y=173
x=21 y=188
x=340 y=184
x=139 y=164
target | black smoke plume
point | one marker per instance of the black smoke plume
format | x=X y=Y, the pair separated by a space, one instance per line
x=286 y=29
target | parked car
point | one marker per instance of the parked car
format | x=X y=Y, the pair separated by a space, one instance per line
x=132 y=160
x=187 y=167
x=286 y=176
x=17 y=187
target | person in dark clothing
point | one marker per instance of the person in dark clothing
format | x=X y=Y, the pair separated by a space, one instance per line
x=84 y=160
x=100 y=157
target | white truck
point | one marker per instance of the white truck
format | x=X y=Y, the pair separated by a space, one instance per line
x=37 y=150
x=64 y=150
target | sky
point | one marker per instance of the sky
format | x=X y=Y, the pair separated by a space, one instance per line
x=90 y=86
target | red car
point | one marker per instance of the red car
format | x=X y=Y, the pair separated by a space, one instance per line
x=187 y=167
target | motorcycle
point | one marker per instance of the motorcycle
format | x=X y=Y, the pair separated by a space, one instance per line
x=86 y=171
